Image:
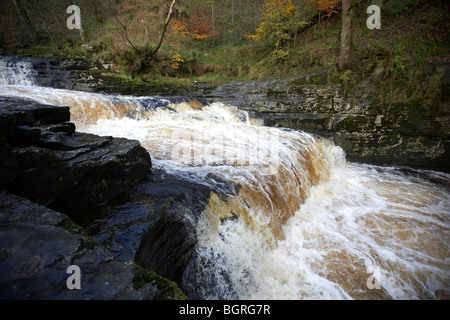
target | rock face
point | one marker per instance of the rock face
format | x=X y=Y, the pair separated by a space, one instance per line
x=51 y=164
x=46 y=165
x=169 y=246
x=37 y=247
x=409 y=134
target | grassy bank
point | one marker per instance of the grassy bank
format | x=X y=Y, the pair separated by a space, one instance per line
x=404 y=60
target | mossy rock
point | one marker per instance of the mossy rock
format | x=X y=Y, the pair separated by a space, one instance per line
x=352 y=124
x=319 y=79
x=167 y=290
x=273 y=93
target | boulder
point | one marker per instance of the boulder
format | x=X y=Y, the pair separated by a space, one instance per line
x=154 y=223
x=37 y=246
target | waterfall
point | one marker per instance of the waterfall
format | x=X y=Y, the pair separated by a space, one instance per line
x=289 y=217
x=17 y=72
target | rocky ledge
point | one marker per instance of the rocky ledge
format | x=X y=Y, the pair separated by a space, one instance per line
x=48 y=162
x=46 y=168
x=404 y=133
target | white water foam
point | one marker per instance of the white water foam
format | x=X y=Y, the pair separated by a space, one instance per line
x=16 y=73
x=363 y=216
x=343 y=220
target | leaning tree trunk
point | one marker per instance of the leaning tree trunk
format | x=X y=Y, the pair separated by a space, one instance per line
x=164 y=29
x=346 y=33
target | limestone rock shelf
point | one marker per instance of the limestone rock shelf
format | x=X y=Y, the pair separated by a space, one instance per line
x=47 y=168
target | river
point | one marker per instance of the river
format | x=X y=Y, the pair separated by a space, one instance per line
x=302 y=222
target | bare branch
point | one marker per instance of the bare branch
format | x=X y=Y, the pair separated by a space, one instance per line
x=164 y=29
x=124 y=27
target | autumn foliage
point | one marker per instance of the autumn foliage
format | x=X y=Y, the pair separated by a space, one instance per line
x=199 y=26
x=326 y=7
x=277 y=24
x=275 y=19
x=177 y=60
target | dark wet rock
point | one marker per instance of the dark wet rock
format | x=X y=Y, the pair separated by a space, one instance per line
x=37 y=245
x=44 y=159
x=169 y=245
x=58 y=167
x=154 y=223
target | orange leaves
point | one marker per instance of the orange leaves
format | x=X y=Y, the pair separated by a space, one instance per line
x=198 y=26
x=326 y=6
x=251 y=36
x=180 y=28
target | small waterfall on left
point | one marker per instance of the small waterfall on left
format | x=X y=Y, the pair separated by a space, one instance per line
x=17 y=72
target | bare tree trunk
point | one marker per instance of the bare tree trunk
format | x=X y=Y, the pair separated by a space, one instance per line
x=346 y=33
x=232 y=15
x=213 y=22
x=164 y=29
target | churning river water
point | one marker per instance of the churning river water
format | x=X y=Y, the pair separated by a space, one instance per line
x=304 y=224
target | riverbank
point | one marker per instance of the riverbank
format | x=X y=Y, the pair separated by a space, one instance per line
x=392 y=57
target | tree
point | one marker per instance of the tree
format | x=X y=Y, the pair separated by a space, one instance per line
x=140 y=56
x=150 y=53
x=325 y=7
x=21 y=7
x=199 y=26
x=346 y=34
x=277 y=24
x=226 y=20
x=164 y=28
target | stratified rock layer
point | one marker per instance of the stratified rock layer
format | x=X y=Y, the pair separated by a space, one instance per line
x=49 y=163
x=405 y=133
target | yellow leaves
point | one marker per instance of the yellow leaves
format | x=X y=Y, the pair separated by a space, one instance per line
x=278 y=23
x=277 y=19
x=278 y=8
x=180 y=28
x=251 y=36
x=176 y=61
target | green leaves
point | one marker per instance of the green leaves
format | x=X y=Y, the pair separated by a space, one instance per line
x=277 y=24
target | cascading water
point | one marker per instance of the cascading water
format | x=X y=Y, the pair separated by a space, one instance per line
x=300 y=222
x=16 y=73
